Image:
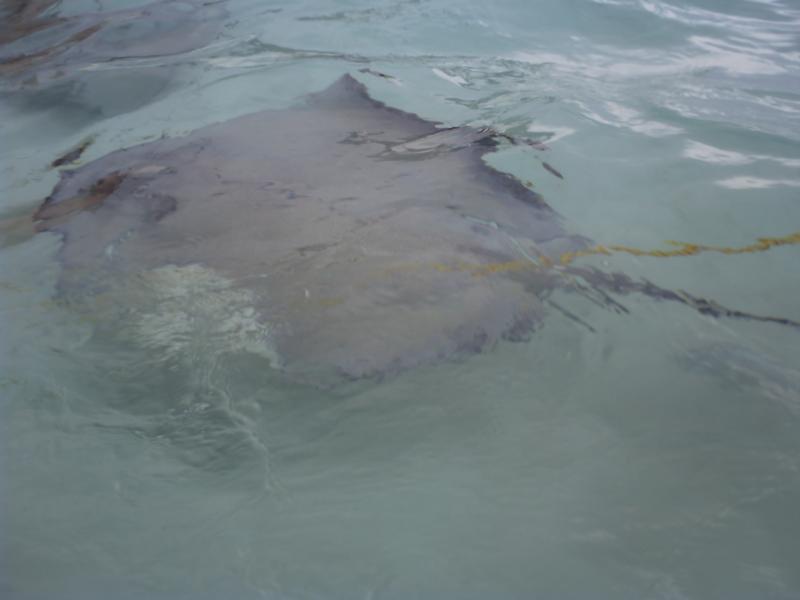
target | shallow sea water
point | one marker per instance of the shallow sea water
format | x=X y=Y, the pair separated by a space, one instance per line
x=654 y=454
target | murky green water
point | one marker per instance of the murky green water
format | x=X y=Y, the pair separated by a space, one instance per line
x=653 y=454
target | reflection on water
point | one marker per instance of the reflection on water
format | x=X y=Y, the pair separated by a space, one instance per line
x=150 y=448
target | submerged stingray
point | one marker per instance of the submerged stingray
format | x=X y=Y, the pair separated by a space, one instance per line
x=162 y=28
x=66 y=61
x=365 y=240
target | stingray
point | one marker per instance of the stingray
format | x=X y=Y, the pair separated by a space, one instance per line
x=362 y=240
x=64 y=61
x=159 y=29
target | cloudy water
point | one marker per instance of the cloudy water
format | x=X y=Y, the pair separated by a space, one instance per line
x=633 y=446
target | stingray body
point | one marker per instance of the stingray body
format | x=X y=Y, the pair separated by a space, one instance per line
x=160 y=29
x=347 y=220
x=64 y=62
x=366 y=240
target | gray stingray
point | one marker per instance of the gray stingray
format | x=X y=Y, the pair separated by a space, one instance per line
x=46 y=59
x=164 y=28
x=365 y=240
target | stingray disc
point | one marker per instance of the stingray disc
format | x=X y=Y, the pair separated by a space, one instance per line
x=355 y=232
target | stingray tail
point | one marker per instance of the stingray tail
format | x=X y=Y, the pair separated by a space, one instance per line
x=618 y=283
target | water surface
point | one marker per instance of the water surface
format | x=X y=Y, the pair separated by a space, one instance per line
x=653 y=454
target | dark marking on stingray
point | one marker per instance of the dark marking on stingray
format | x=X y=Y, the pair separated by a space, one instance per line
x=73 y=153
x=620 y=283
x=571 y=315
x=365 y=287
x=522 y=328
x=51 y=212
x=548 y=167
x=375 y=73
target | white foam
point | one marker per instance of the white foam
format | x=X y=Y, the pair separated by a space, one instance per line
x=191 y=310
x=776 y=32
x=710 y=154
x=553 y=133
x=717 y=156
x=746 y=182
x=454 y=79
x=625 y=117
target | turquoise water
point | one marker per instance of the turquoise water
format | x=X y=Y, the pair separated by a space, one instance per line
x=653 y=454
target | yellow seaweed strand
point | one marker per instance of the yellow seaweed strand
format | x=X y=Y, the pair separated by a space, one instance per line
x=684 y=249
x=680 y=249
